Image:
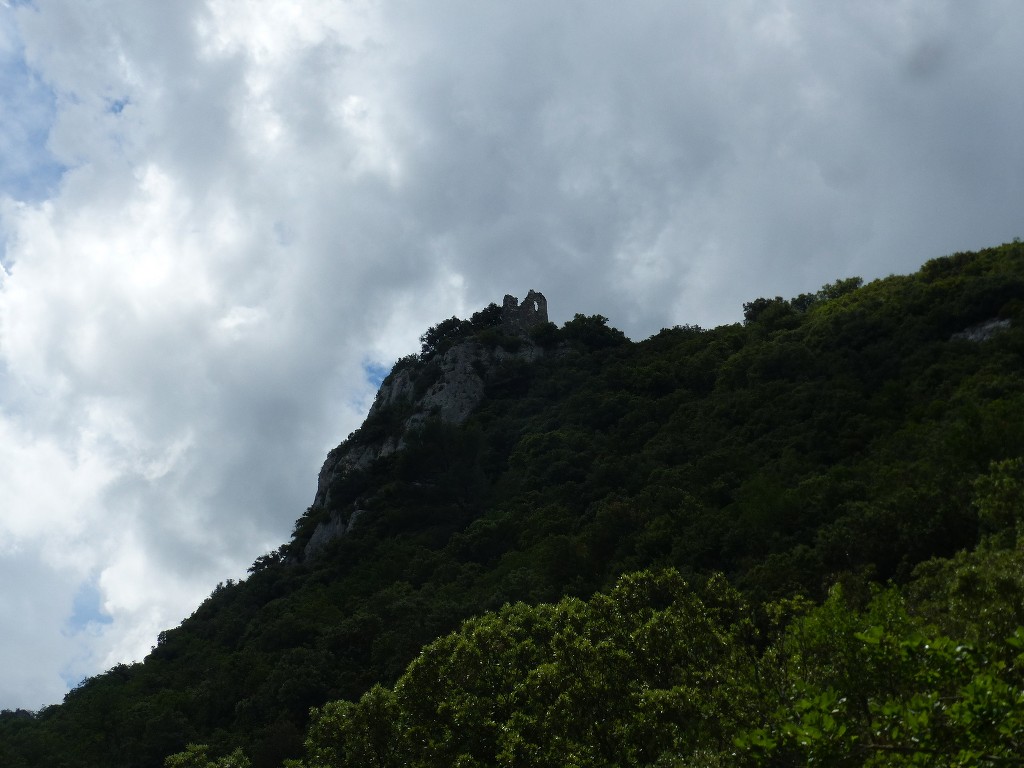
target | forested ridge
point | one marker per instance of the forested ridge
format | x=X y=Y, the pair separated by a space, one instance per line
x=793 y=540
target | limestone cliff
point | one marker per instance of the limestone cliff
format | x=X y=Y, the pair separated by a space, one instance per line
x=447 y=385
x=983 y=331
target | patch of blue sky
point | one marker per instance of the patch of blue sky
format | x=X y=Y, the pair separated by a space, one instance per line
x=5 y=265
x=375 y=372
x=87 y=618
x=72 y=679
x=28 y=170
x=87 y=609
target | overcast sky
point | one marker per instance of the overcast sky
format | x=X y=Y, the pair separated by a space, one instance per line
x=219 y=219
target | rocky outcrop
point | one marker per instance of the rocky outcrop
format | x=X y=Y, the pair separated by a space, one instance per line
x=330 y=529
x=982 y=331
x=448 y=386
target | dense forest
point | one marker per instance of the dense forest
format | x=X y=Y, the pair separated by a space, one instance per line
x=793 y=540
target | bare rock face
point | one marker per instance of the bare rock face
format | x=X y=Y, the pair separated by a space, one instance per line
x=460 y=387
x=448 y=386
x=328 y=530
x=982 y=331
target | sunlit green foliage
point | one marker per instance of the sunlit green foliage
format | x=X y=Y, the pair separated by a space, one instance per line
x=653 y=675
x=876 y=688
x=196 y=756
x=641 y=676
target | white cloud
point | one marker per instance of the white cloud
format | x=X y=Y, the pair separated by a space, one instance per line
x=263 y=203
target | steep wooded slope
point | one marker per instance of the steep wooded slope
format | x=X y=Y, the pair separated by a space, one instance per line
x=835 y=436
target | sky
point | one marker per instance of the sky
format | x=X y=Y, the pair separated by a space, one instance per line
x=222 y=220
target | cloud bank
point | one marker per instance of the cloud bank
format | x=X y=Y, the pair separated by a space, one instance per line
x=219 y=219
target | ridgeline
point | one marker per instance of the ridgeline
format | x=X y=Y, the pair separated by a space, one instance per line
x=791 y=540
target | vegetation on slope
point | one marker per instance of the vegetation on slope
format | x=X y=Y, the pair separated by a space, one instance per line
x=654 y=674
x=845 y=437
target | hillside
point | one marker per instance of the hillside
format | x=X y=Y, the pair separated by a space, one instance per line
x=860 y=435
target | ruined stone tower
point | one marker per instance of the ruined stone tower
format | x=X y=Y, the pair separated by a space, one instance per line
x=517 y=319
